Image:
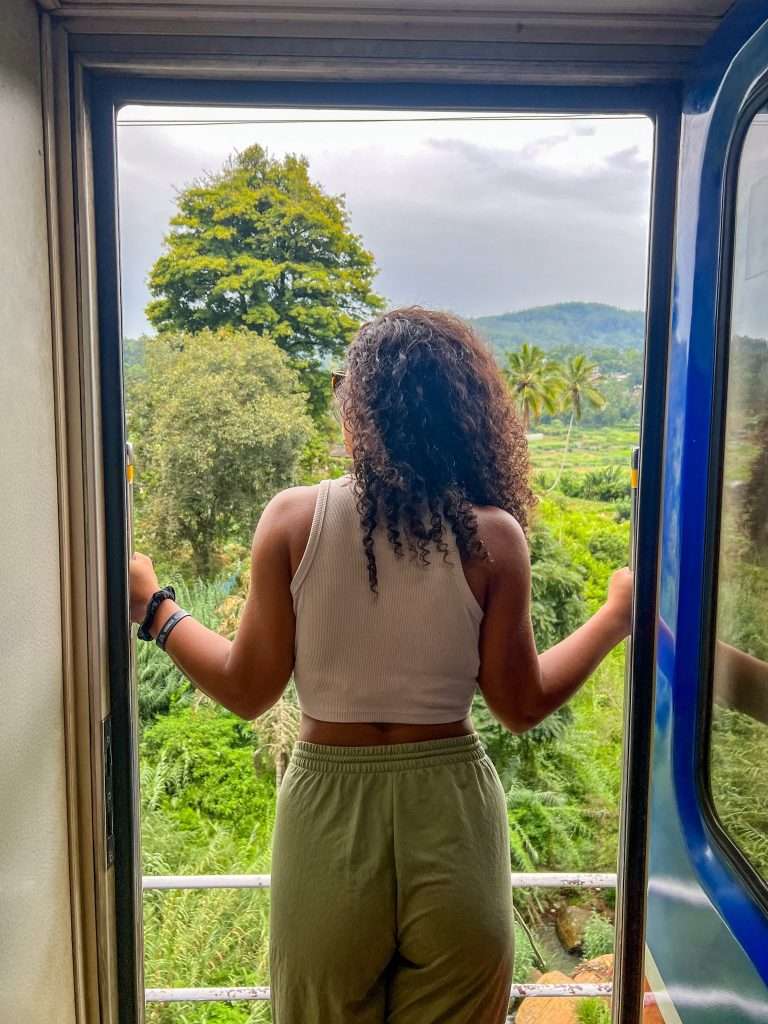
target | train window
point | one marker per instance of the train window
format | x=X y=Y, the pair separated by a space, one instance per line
x=738 y=755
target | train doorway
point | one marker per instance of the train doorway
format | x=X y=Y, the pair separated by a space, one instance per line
x=609 y=148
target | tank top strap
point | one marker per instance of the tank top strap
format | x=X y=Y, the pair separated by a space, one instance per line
x=313 y=540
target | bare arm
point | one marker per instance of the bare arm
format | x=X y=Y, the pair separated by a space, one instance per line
x=521 y=686
x=741 y=681
x=246 y=675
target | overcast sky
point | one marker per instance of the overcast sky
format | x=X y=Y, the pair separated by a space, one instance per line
x=478 y=216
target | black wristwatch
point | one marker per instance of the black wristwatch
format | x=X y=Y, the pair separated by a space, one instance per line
x=166 y=594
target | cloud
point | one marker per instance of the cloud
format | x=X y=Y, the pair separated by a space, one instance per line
x=617 y=184
x=628 y=159
x=477 y=218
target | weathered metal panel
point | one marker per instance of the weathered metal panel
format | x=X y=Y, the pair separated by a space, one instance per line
x=36 y=970
x=597 y=41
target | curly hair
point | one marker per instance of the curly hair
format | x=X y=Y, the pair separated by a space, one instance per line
x=433 y=431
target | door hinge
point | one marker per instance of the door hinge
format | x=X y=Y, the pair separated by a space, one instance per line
x=109 y=799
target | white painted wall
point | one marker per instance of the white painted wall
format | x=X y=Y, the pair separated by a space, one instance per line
x=36 y=978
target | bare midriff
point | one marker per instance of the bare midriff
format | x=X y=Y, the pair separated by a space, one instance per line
x=374 y=734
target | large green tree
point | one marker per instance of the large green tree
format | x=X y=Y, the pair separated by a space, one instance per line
x=261 y=246
x=534 y=382
x=218 y=423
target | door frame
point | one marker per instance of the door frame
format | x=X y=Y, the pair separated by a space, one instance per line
x=697 y=856
x=696 y=886
x=84 y=91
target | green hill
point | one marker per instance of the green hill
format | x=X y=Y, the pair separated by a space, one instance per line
x=585 y=325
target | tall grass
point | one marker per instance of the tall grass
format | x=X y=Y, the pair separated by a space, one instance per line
x=208 y=805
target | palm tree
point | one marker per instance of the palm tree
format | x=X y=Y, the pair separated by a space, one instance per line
x=579 y=387
x=534 y=381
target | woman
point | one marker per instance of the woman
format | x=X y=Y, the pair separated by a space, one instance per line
x=391 y=595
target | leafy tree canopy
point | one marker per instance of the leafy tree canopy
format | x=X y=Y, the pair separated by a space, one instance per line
x=219 y=423
x=261 y=246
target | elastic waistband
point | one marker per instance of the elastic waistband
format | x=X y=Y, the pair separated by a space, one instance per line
x=393 y=757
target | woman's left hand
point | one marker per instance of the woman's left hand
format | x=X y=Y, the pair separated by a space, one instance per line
x=143 y=584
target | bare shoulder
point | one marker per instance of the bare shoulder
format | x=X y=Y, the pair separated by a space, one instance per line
x=507 y=564
x=502 y=535
x=287 y=521
x=292 y=503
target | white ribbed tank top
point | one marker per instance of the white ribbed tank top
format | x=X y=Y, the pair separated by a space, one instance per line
x=407 y=654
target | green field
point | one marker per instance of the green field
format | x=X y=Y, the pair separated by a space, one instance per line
x=589 y=448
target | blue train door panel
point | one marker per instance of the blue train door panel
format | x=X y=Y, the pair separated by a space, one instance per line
x=707 y=914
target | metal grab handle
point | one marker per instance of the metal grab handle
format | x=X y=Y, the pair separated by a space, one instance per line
x=634 y=481
x=130 y=473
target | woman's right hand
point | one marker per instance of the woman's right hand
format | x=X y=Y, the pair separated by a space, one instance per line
x=619 y=600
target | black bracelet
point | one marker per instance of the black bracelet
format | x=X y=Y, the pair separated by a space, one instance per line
x=166 y=594
x=170 y=624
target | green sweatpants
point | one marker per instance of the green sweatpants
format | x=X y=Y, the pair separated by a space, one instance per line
x=391 y=894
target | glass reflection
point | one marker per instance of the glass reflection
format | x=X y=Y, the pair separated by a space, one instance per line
x=739 y=740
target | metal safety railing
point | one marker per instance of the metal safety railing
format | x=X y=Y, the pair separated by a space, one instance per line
x=261 y=992
x=519 y=880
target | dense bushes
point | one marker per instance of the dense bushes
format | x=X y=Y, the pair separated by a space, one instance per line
x=593 y=1011
x=204 y=765
x=609 y=547
x=561 y=778
x=557 y=607
x=608 y=484
x=577 y=526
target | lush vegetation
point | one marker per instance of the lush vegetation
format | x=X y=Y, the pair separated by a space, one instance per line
x=201 y=488
x=593 y=1011
x=260 y=287
x=598 y=937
